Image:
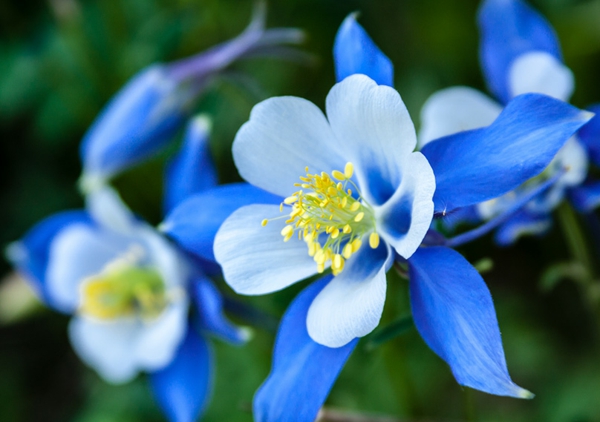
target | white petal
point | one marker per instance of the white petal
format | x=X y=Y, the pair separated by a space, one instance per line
x=76 y=253
x=406 y=217
x=374 y=131
x=573 y=157
x=255 y=259
x=282 y=137
x=163 y=256
x=542 y=73
x=109 y=211
x=454 y=110
x=351 y=304
x=119 y=349
x=157 y=342
x=106 y=346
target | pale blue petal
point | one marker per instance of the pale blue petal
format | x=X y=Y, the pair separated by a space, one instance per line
x=283 y=136
x=182 y=388
x=522 y=223
x=350 y=305
x=585 y=197
x=194 y=223
x=209 y=307
x=453 y=310
x=119 y=349
x=510 y=28
x=518 y=145
x=192 y=170
x=108 y=210
x=373 y=130
x=255 y=259
x=140 y=119
x=454 y=110
x=406 y=217
x=355 y=52
x=76 y=253
x=542 y=73
x=590 y=135
x=30 y=255
x=303 y=371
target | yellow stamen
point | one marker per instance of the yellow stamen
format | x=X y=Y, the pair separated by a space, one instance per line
x=338 y=175
x=354 y=207
x=359 y=216
x=264 y=222
x=349 y=170
x=374 y=240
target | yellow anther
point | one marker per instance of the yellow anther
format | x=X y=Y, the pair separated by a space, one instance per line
x=356 y=244
x=338 y=262
x=281 y=207
x=312 y=248
x=344 y=202
x=338 y=175
x=348 y=170
x=335 y=233
x=287 y=232
x=374 y=240
x=290 y=199
x=320 y=257
x=347 y=229
x=320 y=268
x=359 y=216
x=264 y=222
x=332 y=191
x=347 y=251
x=339 y=186
x=355 y=206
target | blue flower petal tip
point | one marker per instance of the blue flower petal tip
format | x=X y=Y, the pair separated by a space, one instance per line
x=355 y=52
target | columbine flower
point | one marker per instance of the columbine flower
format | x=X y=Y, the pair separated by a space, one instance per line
x=155 y=103
x=519 y=53
x=130 y=289
x=352 y=178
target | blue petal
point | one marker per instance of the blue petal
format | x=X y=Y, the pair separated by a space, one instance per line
x=140 y=119
x=355 y=52
x=510 y=28
x=209 y=305
x=30 y=255
x=182 y=388
x=590 y=135
x=192 y=169
x=585 y=197
x=453 y=310
x=523 y=222
x=303 y=371
x=195 y=222
x=481 y=164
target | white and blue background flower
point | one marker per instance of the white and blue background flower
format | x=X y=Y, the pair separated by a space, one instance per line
x=64 y=60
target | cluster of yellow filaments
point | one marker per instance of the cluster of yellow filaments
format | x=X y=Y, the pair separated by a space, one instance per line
x=325 y=210
x=123 y=289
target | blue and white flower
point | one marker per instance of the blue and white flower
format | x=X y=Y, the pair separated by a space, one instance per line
x=149 y=110
x=519 y=53
x=130 y=289
x=355 y=197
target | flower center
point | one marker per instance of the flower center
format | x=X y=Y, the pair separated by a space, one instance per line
x=327 y=216
x=124 y=289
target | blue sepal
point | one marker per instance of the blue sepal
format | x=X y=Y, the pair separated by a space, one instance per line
x=510 y=28
x=585 y=197
x=192 y=170
x=453 y=311
x=30 y=254
x=521 y=223
x=355 y=52
x=209 y=307
x=195 y=222
x=481 y=164
x=590 y=135
x=459 y=216
x=140 y=119
x=182 y=388
x=303 y=371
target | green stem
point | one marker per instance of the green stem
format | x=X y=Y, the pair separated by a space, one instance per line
x=575 y=239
